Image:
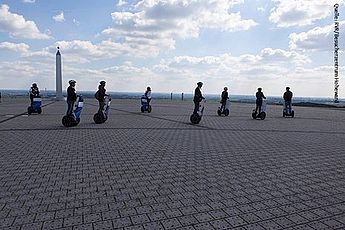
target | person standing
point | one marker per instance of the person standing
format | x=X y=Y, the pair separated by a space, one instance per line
x=287 y=99
x=100 y=94
x=259 y=98
x=197 y=97
x=34 y=92
x=71 y=97
x=224 y=98
x=147 y=95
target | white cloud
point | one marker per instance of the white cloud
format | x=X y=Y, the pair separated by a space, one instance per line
x=156 y=24
x=59 y=17
x=289 y=13
x=121 y=3
x=17 y=26
x=316 y=39
x=29 y=1
x=16 y=47
x=271 y=69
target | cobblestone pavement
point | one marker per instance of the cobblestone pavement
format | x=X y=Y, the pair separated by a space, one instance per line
x=157 y=171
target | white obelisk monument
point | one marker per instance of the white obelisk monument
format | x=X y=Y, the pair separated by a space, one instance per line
x=59 y=96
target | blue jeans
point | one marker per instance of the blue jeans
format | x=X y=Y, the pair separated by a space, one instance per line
x=288 y=106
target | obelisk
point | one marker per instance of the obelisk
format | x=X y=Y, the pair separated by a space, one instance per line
x=59 y=96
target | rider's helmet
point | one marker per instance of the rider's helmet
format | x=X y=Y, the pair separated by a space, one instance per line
x=148 y=88
x=259 y=89
x=199 y=83
x=226 y=88
x=287 y=88
x=102 y=82
x=71 y=82
x=34 y=85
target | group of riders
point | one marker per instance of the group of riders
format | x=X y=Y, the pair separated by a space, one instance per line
x=198 y=97
x=225 y=96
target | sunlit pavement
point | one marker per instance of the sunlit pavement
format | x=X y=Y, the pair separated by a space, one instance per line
x=158 y=171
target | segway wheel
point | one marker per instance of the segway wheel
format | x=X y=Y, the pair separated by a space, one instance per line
x=195 y=118
x=219 y=112
x=262 y=115
x=254 y=115
x=39 y=110
x=97 y=118
x=226 y=112
x=142 y=109
x=29 y=110
x=67 y=121
x=149 y=109
x=284 y=114
x=292 y=114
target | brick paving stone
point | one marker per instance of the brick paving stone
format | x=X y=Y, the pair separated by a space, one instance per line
x=153 y=226
x=250 y=218
x=140 y=219
x=203 y=217
x=186 y=228
x=333 y=223
x=204 y=226
x=32 y=226
x=103 y=225
x=83 y=227
x=171 y=223
x=53 y=224
x=136 y=227
x=270 y=225
x=187 y=220
x=318 y=225
x=220 y=224
x=90 y=218
x=253 y=227
x=171 y=213
x=297 y=219
x=218 y=214
x=122 y=222
x=236 y=221
x=72 y=221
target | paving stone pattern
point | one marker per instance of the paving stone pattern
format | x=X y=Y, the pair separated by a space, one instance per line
x=157 y=171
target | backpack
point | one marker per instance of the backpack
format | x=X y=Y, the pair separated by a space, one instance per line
x=97 y=95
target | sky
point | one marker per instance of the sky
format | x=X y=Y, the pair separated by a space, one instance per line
x=170 y=45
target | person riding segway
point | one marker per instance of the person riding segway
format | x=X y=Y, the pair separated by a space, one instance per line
x=104 y=102
x=195 y=118
x=74 y=106
x=35 y=100
x=287 y=111
x=223 y=109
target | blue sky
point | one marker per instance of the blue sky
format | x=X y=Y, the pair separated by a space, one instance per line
x=172 y=44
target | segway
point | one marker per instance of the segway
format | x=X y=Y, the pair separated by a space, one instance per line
x=262 y=114
x=288 y=111
x=195 y=118
x=35 y=106
x=74 y=118
x=145 y=106
x=224 y=110
x=101 y=117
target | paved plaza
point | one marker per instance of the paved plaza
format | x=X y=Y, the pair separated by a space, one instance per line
x=157 y=171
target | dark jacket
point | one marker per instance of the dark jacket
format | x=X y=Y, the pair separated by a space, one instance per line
x=71 y=94
x=34 y=92
x=197 y=95
x=287 y=96
x=260 y=96
x=225 y=96
x=101 y=93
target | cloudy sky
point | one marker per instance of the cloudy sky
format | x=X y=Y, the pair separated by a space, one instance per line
x=172 y=44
